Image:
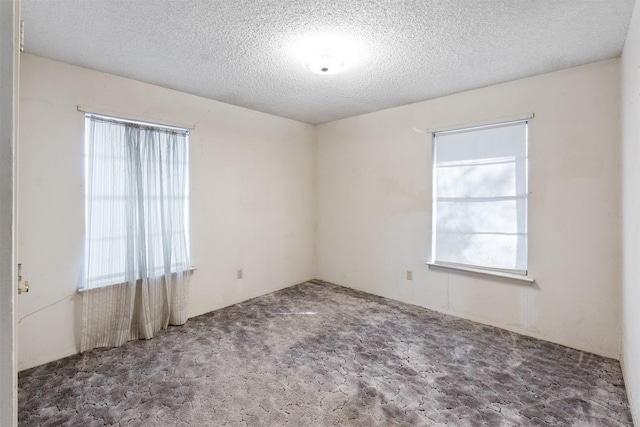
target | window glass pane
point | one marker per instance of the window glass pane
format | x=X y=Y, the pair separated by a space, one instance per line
x=484 y=179
x=136 y=201
x=480 y=196
x=483 y=250
x=480 y=217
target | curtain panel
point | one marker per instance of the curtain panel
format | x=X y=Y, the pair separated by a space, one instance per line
x=136 y=264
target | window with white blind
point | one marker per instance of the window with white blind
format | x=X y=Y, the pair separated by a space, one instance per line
x=480 y=198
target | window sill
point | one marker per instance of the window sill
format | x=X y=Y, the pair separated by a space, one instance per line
x=519 y=277
x=80 y=290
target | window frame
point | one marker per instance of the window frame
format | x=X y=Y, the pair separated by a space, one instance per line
x=520 y=275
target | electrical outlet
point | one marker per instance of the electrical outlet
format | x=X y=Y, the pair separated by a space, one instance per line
x=239 y=274
x=409 y=275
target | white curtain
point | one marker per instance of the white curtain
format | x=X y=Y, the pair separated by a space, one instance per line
x=136 y=266
x=480 y=197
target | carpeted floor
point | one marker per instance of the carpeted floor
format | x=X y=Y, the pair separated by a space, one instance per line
x=321 y=355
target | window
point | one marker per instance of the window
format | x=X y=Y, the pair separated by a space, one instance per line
x=136 y=201
x=480 y=198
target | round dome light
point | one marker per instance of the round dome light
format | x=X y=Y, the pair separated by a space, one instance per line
x=325 y=62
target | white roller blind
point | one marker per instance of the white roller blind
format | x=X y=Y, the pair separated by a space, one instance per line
x=480 y=197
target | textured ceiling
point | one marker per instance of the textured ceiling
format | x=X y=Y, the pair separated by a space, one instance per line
x=250 y=52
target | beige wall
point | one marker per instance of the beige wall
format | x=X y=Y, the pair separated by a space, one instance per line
x=254 y=204
x=374 y=207
x=631 y=214
x=252 y=197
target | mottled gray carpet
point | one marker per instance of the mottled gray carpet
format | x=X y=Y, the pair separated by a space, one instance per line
x=322 y=355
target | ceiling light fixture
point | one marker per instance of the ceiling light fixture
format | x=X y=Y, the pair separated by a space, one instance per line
x=325 y=61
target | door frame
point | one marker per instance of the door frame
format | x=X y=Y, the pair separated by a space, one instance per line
x=9 y=88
